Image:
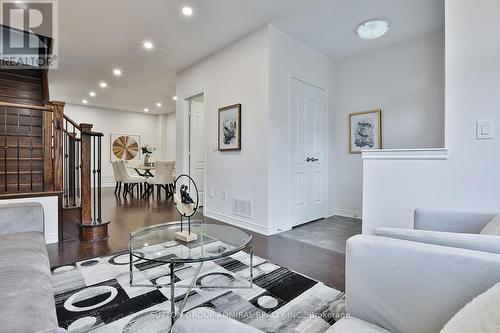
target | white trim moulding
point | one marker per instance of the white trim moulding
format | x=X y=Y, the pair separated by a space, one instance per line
x=406 y=154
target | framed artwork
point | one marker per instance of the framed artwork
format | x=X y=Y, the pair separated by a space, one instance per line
x=230 y=128
x=365 y=131
x=125 y=147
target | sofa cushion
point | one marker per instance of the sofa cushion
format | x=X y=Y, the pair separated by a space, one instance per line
x=483 y=243
x=482 y=315
x=493 y=227
x=21 y=217
x=354 y=325
x=25 y=286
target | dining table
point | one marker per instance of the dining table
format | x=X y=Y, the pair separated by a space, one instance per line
x=143 y=170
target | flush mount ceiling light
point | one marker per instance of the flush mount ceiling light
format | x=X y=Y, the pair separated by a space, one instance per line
x=373 y=29
x=92 y=94
x=174 y=98
x=187 y=11
x=117 y=72
x=84 y=101
x=103 y=84
x=146 y=110
x=148 y=45
x=158 y=105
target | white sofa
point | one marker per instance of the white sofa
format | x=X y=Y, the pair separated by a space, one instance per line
x=409 y=287
x=393 y=285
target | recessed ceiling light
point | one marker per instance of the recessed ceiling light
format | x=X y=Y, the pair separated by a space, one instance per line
x=158 y=105
x=373 y=29
x=92 y=94
x=187 y=11
x=117 y=72
x=174 y=98
x=103 y=84
x=146 y=110
x=148 y=45
x=84 y=101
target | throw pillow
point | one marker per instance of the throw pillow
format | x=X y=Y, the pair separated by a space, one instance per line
x=481 y=315
x=493 y=227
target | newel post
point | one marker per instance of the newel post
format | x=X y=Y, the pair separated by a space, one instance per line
x=91 y=229
x=86 y=158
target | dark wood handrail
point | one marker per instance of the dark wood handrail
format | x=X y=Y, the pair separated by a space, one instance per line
x=72 y=122
x=26 y=106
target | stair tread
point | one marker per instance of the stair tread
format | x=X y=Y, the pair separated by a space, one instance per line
x=22 y=159
x=21 y=172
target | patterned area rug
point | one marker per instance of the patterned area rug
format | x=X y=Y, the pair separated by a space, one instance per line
x=95 y=295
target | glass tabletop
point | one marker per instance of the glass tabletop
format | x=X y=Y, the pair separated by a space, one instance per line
x=157 y=243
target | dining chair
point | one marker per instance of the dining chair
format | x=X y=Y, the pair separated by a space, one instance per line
x=129 y=182
x=164 y=178
x=116 y=175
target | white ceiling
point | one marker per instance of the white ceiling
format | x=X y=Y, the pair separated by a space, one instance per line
x=96 y=36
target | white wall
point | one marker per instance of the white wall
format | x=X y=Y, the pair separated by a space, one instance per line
x=291 y=58
x=109 y=121
x=406 y=81
x=468 y=180
x=255 y=72
x=237 y=74
x=167 y=127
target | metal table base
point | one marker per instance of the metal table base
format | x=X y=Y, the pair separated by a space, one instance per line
x=174 y=315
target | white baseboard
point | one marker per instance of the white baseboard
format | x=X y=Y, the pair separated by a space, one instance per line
x=242 y=223
x=346 y=213
x=51 y=238
x=108 y=184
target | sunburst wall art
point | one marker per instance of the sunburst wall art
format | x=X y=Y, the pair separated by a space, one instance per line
x=125 y=147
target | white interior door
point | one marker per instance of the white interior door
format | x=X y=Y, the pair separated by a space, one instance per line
x=308 y=106
x=197 y=144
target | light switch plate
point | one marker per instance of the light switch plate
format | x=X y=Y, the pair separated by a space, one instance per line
x=485 y=129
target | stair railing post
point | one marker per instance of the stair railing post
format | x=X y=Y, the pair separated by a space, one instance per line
x=57 y=160
x=58 y=120
x=71 y=169
x=85 y=173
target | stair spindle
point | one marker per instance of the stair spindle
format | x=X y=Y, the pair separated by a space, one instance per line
x=5 y=148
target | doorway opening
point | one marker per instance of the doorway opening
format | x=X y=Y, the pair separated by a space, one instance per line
x=196 y=144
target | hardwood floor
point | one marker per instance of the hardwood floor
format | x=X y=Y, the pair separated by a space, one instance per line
x=127 y=215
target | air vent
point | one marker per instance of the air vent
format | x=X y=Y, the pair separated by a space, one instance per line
x=243 y=208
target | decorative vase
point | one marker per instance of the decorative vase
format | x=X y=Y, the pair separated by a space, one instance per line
x=146 y=160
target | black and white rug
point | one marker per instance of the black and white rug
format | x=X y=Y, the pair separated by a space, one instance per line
x=95 y=295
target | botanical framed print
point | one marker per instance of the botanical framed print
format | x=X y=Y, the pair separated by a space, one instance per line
x=365 y=131
x=230 y=128
x=125 y=147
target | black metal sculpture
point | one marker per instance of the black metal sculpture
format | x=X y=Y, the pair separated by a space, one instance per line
x=185 y=205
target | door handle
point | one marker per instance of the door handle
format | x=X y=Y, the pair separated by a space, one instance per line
x=309 y=159
x=314 y=159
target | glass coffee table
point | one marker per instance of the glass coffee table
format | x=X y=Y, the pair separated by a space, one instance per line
x=157 y=244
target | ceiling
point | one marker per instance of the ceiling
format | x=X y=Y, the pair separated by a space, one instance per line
x=96 y=36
